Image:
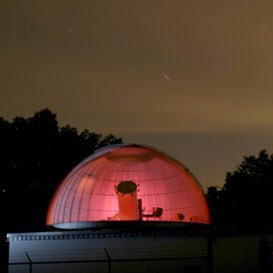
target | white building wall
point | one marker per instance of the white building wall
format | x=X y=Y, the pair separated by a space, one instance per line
x=87 y=251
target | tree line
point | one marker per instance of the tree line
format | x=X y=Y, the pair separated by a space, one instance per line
x=246 y=199
x=35 y=155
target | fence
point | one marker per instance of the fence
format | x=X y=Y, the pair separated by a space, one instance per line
x=187 y=250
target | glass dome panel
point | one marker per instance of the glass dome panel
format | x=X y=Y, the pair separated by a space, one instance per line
x=164 y=189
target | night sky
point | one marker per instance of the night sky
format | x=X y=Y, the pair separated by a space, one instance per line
x=193 y=78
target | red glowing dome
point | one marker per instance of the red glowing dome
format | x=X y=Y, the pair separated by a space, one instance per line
x=127 y=183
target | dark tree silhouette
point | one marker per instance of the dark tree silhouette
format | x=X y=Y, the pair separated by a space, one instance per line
x=35 y=155
x=246 y=197
x=248 y=191
x=215 y=201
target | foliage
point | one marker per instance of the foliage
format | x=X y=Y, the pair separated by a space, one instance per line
x=35 y=156
x=246 y=197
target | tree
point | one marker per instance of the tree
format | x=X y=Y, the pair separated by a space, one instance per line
x=36 y=154
x=248 y=193
x=214 y=198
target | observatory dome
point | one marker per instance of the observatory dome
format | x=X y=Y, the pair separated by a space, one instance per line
x=127 y=183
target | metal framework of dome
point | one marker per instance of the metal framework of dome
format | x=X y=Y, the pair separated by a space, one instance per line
x=132 y=183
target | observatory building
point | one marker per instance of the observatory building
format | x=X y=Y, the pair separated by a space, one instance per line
x=125 y=206
x=127 y=183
